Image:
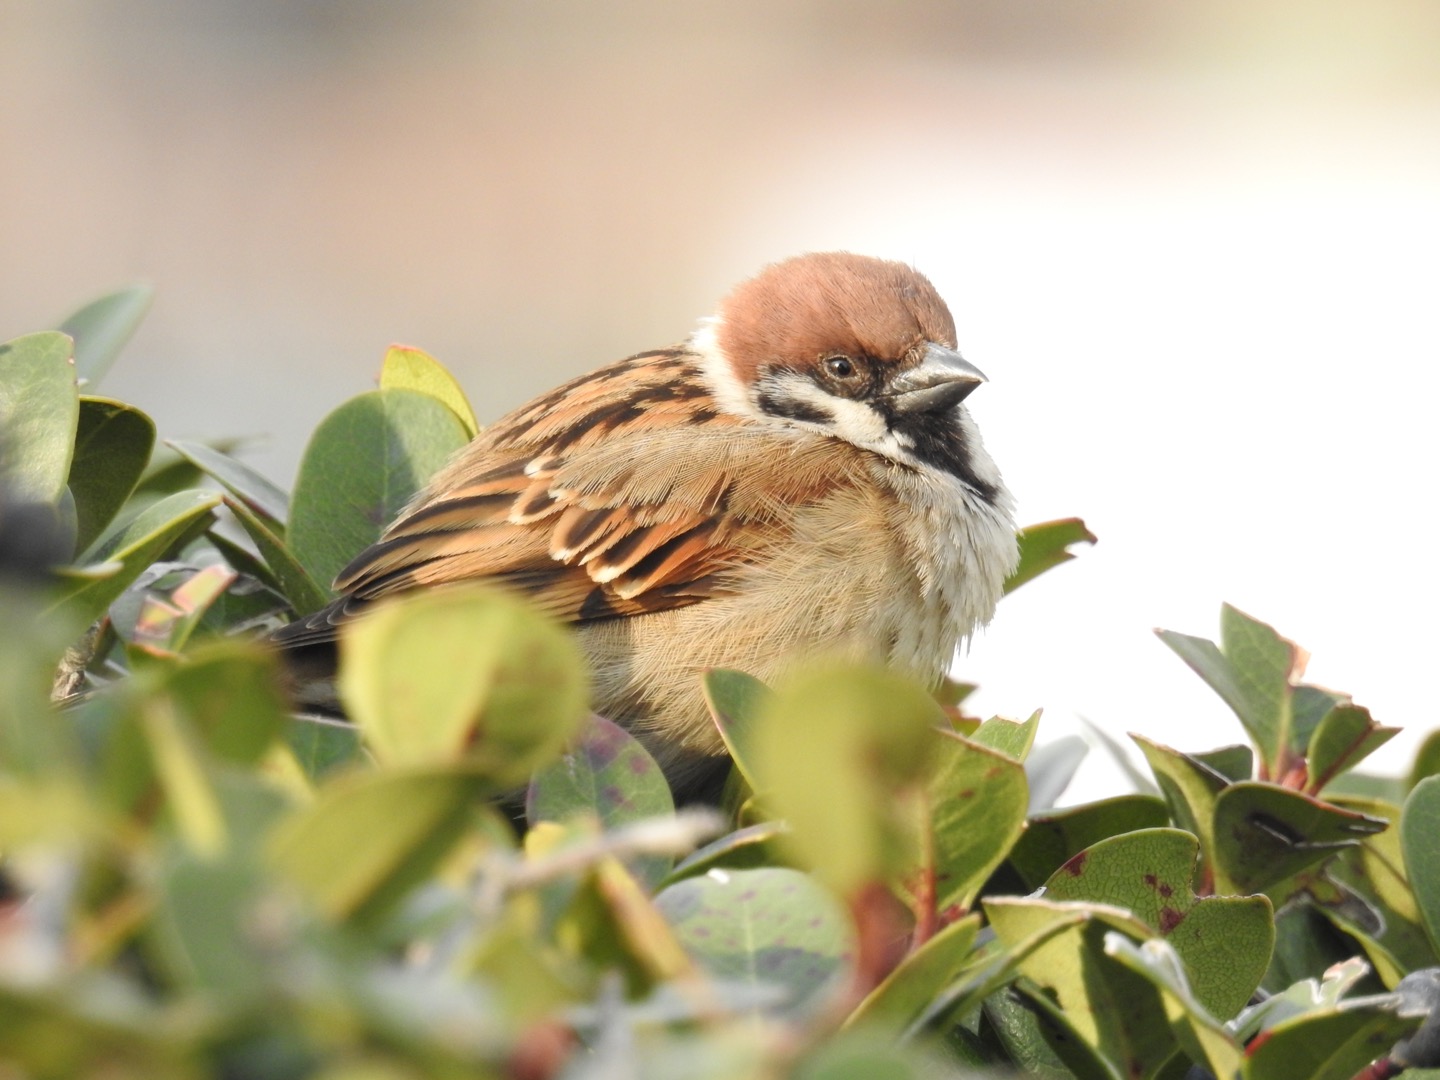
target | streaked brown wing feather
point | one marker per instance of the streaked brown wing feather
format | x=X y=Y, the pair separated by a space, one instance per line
x=608 y=497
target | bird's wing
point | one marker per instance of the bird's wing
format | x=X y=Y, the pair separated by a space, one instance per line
x=623 y=493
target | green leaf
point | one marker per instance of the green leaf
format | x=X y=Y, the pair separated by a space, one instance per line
x=1427 y=760
x=294 y=580
x=165 y=624
x=466 y=673
x=608 y=775
x=230 y=692
x=972 y=814
x=1109 y=1007
x=1045 y=546
x=1333 y=1044
x=243 y=482
x=770 y=927
x=1200 y=1035
x=866 y=733
x=1266 y=667
x=1343 y=738
x=1373 y=902
x=113 y=442
x=1265 y=834
x=1234 y=763
x=122 y=556
x=906 y=994
x=39 y=409
x=1053 y=837
x=102 y=327
x=1012 y=739
x=408 y=368
x=181 y=771
x=322 y=746
x=735 y=700
x=372 y=837
x=1225 y=942
x=1191 y=789
x=1419 y=826
x=364 y=463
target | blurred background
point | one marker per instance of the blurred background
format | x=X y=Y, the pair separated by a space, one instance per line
x=1196 y=247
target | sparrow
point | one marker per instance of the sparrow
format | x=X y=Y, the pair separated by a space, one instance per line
x=800 y=477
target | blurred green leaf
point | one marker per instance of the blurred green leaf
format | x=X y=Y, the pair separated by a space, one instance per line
x=407 y=368
x=102 y=327
x=294 y=580
x=743 y=849
x=1225 y=942
x=867 y=733
x=369 y=838
x=1419 y=827
x=322 y=745
x=123 y=555
x=230 y=692
x=364 y=463
x=470 y=673
x=1265 y=834
x=1045 y=546
x=1050 y=768
x=243 y=482
x=113 y=442
x=769 y=927
x=1427 y=760
x=39 y=410
x=165 y=625
x=1053 y=837
x=606 y=774
x=182 y=774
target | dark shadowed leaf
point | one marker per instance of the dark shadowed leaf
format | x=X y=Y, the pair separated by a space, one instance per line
x=365 y=461
x=113 y=442
x=1265 y=834
x=304 y=594
x=102 y=327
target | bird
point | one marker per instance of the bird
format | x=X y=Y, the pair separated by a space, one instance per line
x=798 y=478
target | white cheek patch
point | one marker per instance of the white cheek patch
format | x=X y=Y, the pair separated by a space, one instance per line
x=726 y=388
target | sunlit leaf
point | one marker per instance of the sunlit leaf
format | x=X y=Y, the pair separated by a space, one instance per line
x=407 y=368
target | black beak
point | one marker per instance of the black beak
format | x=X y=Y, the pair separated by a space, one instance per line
x=940 y=381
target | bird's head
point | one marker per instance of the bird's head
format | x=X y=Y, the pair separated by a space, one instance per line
x=858 y=348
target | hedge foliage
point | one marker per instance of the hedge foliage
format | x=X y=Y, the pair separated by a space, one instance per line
x=198 y=883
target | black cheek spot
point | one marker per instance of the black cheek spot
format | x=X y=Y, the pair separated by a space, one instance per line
x=791 y=409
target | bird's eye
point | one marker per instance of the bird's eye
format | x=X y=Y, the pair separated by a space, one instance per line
x=840 y=366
